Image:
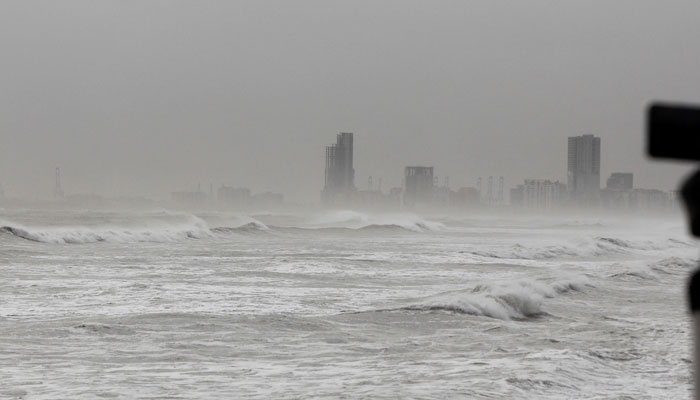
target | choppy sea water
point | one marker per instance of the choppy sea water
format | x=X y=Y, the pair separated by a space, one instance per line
x=142 y=305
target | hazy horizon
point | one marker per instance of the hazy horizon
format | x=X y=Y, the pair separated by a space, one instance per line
x=148 y=98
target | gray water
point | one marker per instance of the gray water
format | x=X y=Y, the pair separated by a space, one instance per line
x=142 y=305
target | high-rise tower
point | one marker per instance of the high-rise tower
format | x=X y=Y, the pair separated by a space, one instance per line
x=583 y=174
x=340 y=174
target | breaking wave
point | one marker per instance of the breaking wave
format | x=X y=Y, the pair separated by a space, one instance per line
x=194 y=228
x=643 y=272
x=673 y=264
x=655 y=270
x=250 y=227
x=393 y=227
x=520 y=299
x=593 y=248
x=356 y=220
x=607 y=243
x=521 y=252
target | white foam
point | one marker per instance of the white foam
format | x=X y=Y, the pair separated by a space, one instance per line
x=510 y=300
x=357 y=220
x=250 y=225
x=192 y=228
x=588 y=247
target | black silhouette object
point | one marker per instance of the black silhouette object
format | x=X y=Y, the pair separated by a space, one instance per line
x=674 y=132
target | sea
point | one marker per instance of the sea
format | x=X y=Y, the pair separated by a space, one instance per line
x=164 y=304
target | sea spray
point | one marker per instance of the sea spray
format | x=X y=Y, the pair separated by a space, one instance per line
x=357 y=220
x=195 y=228
x=510 y=300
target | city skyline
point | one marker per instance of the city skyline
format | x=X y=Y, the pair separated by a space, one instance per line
x=465 y=179
x=421 y=188
x=248 y=103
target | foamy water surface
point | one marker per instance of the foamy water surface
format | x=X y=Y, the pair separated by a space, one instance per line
x=141 y=305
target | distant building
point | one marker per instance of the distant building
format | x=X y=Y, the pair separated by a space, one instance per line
x=583 y=172
x=616 y=199
x=186 y=198
x=651 y=199
x=674 y=200
x=465 y=197
x=340 y=174
x=618 y=192
x=267 y=199
x=517 y=195
x=538 y=194
x=489 y=195
x=395 y=195
x=620 y=181
x=639 y=199
x=418 y=185
x=441 y=196
x=134 y=202
x=233 y=196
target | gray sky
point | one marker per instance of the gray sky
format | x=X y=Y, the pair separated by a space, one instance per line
x=132 y=97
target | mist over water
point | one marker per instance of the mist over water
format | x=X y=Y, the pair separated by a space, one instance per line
x=329 y=304
x=492 y=226
x=136 y=99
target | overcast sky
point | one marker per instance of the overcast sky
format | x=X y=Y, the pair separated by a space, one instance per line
x=131 y=97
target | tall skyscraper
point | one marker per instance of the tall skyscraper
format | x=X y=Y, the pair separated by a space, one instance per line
x=583 y=177
x=340 y=174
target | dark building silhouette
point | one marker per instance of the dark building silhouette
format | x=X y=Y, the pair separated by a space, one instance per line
x=340 y=175
x=419 y=185
x=620 y=181
x=583 y=172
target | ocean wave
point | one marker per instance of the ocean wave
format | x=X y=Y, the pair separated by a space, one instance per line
x=391 y=227
x=680 y=242
x=520 y=252
x=609 y=243
x=616 y=355
x=596 y=247
x=639 y=272
x=356 y=220
x=654 y=270
x=675 y=263
x=256 y=226
x=518 y=300
x=250 y=227
x=194 y=229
